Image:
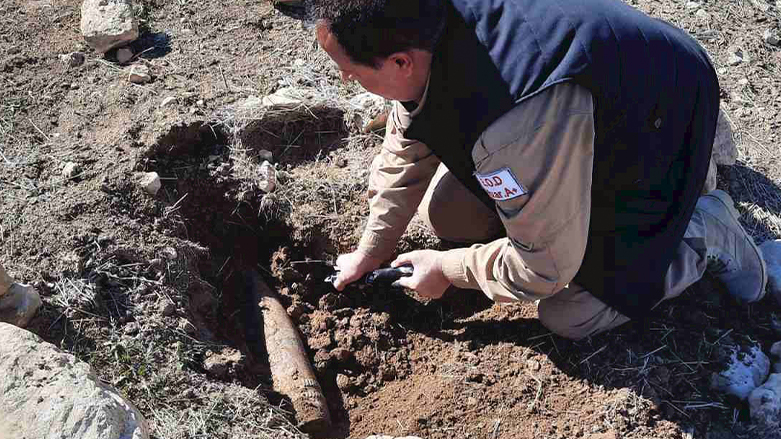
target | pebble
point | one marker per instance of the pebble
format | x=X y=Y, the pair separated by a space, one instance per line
x=70 y=170
x=702 y=14
x=344 y=382
x=268 y=178
x=149 y=182
x=736 y=57
x=266 y=155
x=771 y=253
x=772 y=37
x=692 y=5
x=139 y=74
x=167 y=308
x=73 y=59
x=124 y=55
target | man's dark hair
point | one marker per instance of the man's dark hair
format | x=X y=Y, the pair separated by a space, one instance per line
x=371 y=30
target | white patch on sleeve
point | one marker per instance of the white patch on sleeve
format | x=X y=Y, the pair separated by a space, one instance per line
x=501 y=185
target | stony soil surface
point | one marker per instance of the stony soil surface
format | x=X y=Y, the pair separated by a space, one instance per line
x=146 y=289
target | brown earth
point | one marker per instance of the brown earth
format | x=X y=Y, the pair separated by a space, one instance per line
x=148 y=291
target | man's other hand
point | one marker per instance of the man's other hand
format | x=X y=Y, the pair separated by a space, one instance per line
x=427 y=278
x=352 y=266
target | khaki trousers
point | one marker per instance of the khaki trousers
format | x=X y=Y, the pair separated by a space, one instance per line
x=455 y=214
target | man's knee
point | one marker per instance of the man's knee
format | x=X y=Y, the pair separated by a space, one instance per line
x=576 y=314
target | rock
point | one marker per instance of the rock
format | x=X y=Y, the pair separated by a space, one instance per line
x=167 y=101
x=692 y=5
x=167 y=308
x=70 y=170
x=73 y=59
x=149 y=182
x=268 y=177
x=702 y=14
x=139 y=74
x=747 y=368
x=725 y=152
x=710 y=180
x=18 y=306
x=736 y=56
x=344 y=382
x=765 y=402
x=771 y=37
x=266 y=155
x=222 y=364
x=106 y=24
x=288 y=97
x=368 y=102
x=125 y=55
x=46 y=393
x=771 y=253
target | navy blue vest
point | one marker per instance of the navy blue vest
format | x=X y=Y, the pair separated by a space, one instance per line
x=656 y=100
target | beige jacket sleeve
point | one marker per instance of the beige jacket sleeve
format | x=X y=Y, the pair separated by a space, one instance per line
x=543 y=150
x=399 y=176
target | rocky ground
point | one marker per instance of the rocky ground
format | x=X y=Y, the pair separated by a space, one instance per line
x=144 y=285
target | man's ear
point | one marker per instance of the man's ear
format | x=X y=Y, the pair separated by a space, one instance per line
x=403 y=61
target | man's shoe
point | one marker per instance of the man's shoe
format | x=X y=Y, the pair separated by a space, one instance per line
x=733 y=258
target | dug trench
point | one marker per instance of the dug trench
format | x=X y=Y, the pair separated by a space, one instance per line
x=390 y=362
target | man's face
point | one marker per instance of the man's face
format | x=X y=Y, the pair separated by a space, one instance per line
x=391 y=80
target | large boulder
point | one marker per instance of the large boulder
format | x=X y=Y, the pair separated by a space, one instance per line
x=48 y=394
x=725 y=152
x=106 y=24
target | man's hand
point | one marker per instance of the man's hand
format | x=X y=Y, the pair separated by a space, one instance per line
x=352 y=266
x=427 y=278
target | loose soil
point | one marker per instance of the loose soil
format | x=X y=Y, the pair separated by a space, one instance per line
x=148 y=289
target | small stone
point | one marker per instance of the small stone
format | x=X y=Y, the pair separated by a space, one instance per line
x=131 y=328
x=765 y=402
x=70 y=170
x=108 y=24
x=167 y=101
x=344 y=382
x=533 y=365
x=341 y=162
x=167 y=308
x=266 y=155
x=125 y=55
x=745 y=370
x=199 y=103
x=692 y=5
x=736 y=57
x=149 y=182
x=342 y=355
x=743 y=82
x=771 y=253
x=268 y=178
x=772 y=37
x=139 y=74
x=220 y=364
x=702 y=14
x=73 y=59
